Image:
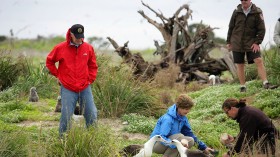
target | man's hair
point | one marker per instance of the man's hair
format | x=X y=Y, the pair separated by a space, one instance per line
x=184 y=101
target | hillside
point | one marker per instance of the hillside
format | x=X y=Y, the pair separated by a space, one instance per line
x=31 y=129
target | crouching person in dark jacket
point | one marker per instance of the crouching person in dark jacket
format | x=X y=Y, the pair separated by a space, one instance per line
x=256 y=129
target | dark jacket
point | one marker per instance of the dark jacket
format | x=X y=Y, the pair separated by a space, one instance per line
x=244 y=30
x=253 y=125
x=172 y=123
x=77 y=65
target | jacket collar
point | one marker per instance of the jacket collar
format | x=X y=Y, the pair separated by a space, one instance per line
x=172 y=111
x=76 y=45
x=241 y=110
x=253 y=8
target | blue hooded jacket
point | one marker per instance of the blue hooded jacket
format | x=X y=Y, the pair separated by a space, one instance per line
x=172 y=123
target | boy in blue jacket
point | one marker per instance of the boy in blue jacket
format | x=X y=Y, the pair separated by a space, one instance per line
x=175 y=125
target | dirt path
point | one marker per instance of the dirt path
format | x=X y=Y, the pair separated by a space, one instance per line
x=115 y=124
x=118 y=126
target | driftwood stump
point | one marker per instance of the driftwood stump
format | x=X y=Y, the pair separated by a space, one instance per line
x=189 y=52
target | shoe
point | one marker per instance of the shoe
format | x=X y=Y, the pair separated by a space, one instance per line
x=243 y=89
x=269 y=86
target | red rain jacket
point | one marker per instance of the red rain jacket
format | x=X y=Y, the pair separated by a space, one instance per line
x=77 y=66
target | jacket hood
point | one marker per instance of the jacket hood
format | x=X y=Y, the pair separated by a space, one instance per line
x=172 y=111
x=68 y=37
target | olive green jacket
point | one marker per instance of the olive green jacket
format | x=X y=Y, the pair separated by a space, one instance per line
x=244 y=30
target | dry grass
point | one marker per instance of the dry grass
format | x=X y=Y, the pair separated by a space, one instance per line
x=166 y=78
x=195 y=86
x=257 y=149
x=165 y=98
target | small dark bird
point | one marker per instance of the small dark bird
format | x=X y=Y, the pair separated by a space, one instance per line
x=131 y=150
x=77 y=110
x=58 y=105
x=33 y=96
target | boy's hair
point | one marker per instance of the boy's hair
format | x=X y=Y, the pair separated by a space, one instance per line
x=184 y=101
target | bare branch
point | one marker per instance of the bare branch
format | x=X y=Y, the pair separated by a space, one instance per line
x=157 y=14
x=113 y=42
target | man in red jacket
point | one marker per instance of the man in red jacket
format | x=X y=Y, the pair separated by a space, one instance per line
x=76 y=70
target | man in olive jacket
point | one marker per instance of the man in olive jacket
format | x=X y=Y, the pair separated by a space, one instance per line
x=245 y=34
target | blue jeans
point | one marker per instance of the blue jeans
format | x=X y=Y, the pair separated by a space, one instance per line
x=69 y=100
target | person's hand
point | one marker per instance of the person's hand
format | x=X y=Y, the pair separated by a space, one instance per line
x=225 y=155
x=230 y=138
x=208 y=150
x=185 y=143
x=255 y=48
x=226 y=139
x=229 y=47
x=58 y=82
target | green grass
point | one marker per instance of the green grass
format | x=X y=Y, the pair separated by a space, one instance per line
x=206 y=118
x=118 y=95
x=15 y=112
x=80 y=141
x=39 y=44
x=139 y=124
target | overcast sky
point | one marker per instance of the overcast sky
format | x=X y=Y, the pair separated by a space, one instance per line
x=119 y=19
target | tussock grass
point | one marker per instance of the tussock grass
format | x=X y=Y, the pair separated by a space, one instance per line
x=13 y=144
x=10 y=68
x=37 y=76
x=97 y=142
x=117 y=93
x=80 y=141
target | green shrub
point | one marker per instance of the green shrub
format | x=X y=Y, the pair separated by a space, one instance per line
x=11 y=106
x=3 y=38
x=9 y=94
x=7 y=127
x=13 y=112
x=268 y=101
x=139 y=123
x=38 y=77
x=22 y=75
x=116 y=93
x=10 y=68
x=272 y=64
